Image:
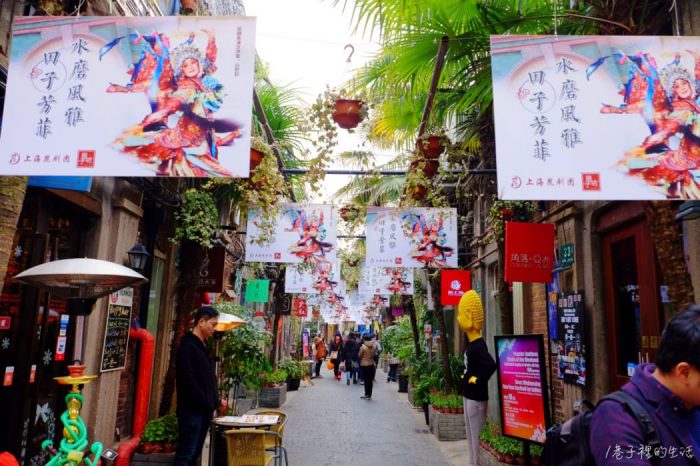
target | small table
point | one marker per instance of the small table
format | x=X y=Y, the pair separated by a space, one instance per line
x=219 y=424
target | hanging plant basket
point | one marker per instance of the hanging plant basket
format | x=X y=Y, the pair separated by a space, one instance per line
x=429 y=167
x=347 y=113
x=431 y=147
x=418 y=193
x=349 y=213
x=256 y=157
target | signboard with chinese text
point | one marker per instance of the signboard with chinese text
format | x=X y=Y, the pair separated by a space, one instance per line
x=416 y=238
x=453 y=284
x=177 y=90
x=570 y=344
x=385 y=281
x=304 y=233
x=529 y=252
x=117 y=327
x=522 y=388
x=596 y=117
x=210 y=277
x=323 y=278
x=257 y=291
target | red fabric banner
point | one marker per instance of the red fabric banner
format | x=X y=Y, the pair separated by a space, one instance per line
x=300 y=308
x=529 y=252
x=453 y=284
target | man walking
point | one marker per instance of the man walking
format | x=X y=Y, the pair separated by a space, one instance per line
x=197 y=395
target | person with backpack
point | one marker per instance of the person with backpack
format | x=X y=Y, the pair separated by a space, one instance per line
x=320 y=351
x=652 y=423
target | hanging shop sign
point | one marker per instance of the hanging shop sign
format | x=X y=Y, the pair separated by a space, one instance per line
x=570 y=342
x=577 y=117
x=416 y=238
x=117 y=328
x=522 y=387
x=453 y=284
x=178 y=90
x=304 y=233
x=300 y=307
x=257 y=291
x=385 y=281
x=529 y=252
x=210 y=277
x=305 y=337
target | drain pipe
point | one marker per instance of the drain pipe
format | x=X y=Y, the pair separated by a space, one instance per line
x=143 y=392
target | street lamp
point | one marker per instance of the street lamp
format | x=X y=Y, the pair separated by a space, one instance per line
x=138 y=257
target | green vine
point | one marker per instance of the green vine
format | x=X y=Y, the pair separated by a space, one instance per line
x=508 y=211
x=197 y=218
x=351 y=260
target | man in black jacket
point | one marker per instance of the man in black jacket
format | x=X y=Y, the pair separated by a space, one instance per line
x=197 y=395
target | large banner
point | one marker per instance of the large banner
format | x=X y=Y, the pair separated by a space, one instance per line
x=303 y=234
x=129 y=96
x=322 y=279
x=385 y=281
x=597 y=117
x=416 y=238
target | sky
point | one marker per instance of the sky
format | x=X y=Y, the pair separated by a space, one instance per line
x=303 y=43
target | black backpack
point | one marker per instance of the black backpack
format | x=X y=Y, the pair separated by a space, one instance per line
x=568 y=443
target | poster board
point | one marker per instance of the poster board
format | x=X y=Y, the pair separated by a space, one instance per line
x=522 y=387
x=117 y=327
x=571 y=338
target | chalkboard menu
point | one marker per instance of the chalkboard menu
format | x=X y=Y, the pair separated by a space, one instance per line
x=117 y=330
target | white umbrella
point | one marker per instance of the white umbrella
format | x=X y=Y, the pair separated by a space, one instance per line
x=228 y=322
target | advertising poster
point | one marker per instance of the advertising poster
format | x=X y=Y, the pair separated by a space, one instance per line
x=570 y=343
x=552 y=326
x=322 y=279
x=304 y=233
x=416 y=238
x=305 y=337
x=596 y=117
x=129 y=96
x=522 y=386
x=385 y=281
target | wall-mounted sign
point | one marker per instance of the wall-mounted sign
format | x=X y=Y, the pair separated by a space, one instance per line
x=453 y=284
x=571 y=347
x=117 y=327
x=210 y=277
x=257 y=291
x=522 y=387
x=529 y=252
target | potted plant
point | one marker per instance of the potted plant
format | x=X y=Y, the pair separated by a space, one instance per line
x=433 y=144
x=273 y=393
x=258 y=149
x=295 y=371
x=197 y=218
x=508 y=211
x=535 y=454
x=159 y=435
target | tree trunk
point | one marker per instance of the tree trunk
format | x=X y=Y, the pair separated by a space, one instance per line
x=12 y=191
x=411 y=309
x=190 y=258
x=666 y=234
x=440 y=318
x=505 y=298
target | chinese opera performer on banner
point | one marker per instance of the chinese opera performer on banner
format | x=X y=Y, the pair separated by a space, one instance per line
x=398 y=283
x=669 y=158
x=323 y=282
x=180 y=137
x=310 y=248
x=430 y=239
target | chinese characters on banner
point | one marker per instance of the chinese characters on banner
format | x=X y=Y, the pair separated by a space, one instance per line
x=453 y=284
x=385 y=281
x=414 y=238
x=177 y=90
x=529 y=252
x=303 y=234
x=299 y=306
x=522 y=386
x=596 y=117
x=571 y=345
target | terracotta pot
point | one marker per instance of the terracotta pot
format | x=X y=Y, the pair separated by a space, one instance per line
x=189 y=5
x=429 y=167
x=347 y=113
x=256 y=157
x=418 y=193
x=158 y=447
x=460 y=410
x=535 y=461
x=146 y=448
x=348 y=213
x=508 y=458
x=169 y=447
x=520 y=460
x=430 y=147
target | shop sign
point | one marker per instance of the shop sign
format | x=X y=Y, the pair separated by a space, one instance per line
x=5 y=322
x=210 y=277
x=454 y=283
x=257 y=291
x=571 y=347
x=529 y=252
x=522 y=387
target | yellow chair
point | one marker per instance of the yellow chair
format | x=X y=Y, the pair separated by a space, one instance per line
x=272 y=443
x=246 y=447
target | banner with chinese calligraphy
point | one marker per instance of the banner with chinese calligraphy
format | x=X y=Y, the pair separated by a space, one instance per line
x=416 y=238
x=596 y=117
x=300 y=307
x=453 y=284
x=529 y=252
x=324 y=278
x=570 y=342
x=129 y=96
x=385 y=281
x=303 y=234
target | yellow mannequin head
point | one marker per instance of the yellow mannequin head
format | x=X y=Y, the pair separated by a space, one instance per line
x=471 y=315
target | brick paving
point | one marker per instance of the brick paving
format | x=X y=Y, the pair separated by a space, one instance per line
x=329 y=424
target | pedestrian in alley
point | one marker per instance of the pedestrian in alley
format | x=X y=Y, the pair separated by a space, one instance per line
x=336 y=349
x=367 y=367
x=352 y=348
x=393 y=369
x=320 y=352
x=197 y=395
x=668 y=391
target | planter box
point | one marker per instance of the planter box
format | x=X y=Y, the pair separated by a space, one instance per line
x=243 y=405
x=411 y=400
x=293 y=384
x=273 y=397
x=486 y=458
x=153 y=459
x=403 y=383
x=447 y=426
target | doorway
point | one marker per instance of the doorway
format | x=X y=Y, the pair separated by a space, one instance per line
x=632 y=303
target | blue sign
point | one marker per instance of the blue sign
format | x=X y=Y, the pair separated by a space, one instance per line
x=73 y=183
